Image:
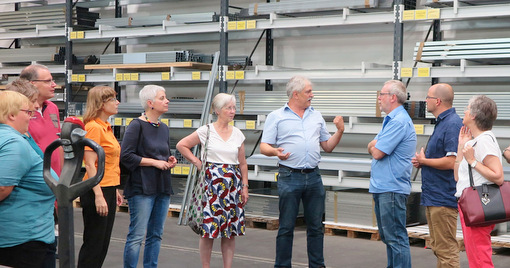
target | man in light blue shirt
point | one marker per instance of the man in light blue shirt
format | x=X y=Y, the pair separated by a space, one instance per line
x=390 y=177
x=295 y=133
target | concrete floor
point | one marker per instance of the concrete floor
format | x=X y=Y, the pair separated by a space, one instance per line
x=180 y=248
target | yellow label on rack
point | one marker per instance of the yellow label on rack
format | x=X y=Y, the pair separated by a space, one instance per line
x=423 y=72
x=74 y=78
x=408 y=15
x=406 y=72
x=420 y=129
x=128 y=121
x=239 y=75
x=231 y=75
x=232 y=25
x=119 y=77
x=135 y=76
x=231 y=123
x=241 y=25
x=126 y=77
x=117 y=121
x=72 y=35
x=80 y=35
x=185 y=170
x=165 y=121
x=165 y=76
x=196 y=75
x=82 y=78
x=188 y=123
x=250 y=124
x=276 y=176
x=251 y=24
x=177 y=170
x=434 y=13
x=420 y=14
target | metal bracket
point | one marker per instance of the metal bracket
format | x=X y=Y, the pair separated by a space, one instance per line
x=396 y=69
x=224 y=24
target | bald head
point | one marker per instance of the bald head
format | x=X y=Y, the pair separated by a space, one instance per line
x=445 y=93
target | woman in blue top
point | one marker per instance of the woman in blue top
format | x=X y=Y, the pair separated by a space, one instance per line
x=145 y=150
x=26 y=202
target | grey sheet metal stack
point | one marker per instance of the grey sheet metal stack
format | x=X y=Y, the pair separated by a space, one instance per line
x=350 y=206
x=264 y=202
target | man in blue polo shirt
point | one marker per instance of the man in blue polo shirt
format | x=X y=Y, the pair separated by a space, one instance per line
x=438 y=182
x=297 y=133
x=390 y=177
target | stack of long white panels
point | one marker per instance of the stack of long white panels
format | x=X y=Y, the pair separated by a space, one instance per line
x=28 y=54
x=353 y=206
x=502 y=99
x=488 y=50
x=140 y=21
x=176 y=106
x=345 y=103
x=145 y=57
x=264 y=202
x=442 y=3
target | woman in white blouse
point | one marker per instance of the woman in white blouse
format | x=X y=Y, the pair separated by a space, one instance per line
x=478 y=149
x=226 y=179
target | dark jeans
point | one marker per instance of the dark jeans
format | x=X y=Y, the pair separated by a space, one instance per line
x=27 y=255
x=97 y=230
x=292 y=188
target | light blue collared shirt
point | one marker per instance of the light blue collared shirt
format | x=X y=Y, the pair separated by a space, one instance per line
x=397 y=139
x=299 y=136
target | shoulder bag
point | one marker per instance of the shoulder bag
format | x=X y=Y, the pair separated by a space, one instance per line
x=485 y=204
x=196 y=214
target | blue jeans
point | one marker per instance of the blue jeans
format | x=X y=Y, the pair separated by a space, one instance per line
x=390 y=211
x=292 y=188
x=148 y=214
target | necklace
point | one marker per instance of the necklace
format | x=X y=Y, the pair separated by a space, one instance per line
x=149 y=121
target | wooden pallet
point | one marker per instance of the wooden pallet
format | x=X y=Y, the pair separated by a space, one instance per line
x=352 y=230
x=422 y=232
x=269 y=223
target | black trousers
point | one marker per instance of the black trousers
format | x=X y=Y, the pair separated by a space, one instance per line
x=97 y=230
x=27 y=255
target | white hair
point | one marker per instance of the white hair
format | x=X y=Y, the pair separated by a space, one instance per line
x=149 y=92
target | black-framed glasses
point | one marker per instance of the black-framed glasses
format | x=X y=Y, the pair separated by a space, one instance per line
x=44 y=81
x=29 y=112
x=429 y=97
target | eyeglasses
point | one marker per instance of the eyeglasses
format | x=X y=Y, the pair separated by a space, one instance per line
x=385 y=93
x=29 y=112
x=50 y=81
x=110 y=99
x=429 y=97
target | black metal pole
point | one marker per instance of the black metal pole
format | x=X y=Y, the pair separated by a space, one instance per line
x=223 y=46
x=398 y=39
x=436 y=36
x=118 y=14
x=269 y=56
x=68 y=56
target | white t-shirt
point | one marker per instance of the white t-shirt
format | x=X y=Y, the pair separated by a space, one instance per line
x=218 y=150
x=485 y=144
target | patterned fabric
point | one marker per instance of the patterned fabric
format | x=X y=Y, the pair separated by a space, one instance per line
x=223 y=211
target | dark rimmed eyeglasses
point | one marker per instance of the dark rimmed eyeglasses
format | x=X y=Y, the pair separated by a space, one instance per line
x=29 y=112
x=44 y=81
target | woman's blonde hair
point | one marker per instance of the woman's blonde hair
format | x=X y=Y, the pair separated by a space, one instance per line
x=11 y=102
x=96 y=97
x=24 y=87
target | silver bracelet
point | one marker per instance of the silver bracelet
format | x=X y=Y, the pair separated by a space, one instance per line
x=245 y=185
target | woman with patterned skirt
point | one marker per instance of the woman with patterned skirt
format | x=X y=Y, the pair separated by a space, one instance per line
x=226 y=180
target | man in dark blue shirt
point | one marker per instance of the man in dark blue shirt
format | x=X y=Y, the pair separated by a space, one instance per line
x=438 y=183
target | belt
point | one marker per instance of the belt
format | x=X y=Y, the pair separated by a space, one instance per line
x=299 y=170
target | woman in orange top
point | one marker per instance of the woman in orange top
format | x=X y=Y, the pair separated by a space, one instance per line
x=99 y=204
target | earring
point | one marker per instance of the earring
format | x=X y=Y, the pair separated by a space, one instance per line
x=152 y=108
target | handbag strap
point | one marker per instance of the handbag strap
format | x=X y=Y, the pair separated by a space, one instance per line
x=471 y=181
x=204 y=149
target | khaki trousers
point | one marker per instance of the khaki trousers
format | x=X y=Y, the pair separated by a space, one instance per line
x=442 y=223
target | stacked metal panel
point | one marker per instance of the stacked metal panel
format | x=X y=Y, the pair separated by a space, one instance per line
x=300 y=6
x=502 y=99
x=51 y=15
x=146 y=57
x=488 y=51
x=264 y=202
x=141 y=21
x=178 y=186
x=442 y=3
x=330 y=103
x=23 y=55
x=176 y=106
x=353 y=206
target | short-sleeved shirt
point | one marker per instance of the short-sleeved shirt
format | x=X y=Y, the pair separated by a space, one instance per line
x=221 y=151
x=484 y=144
x=101 y=132
x=301 y=137
x=438 y=186
x=44 y=127
x=397 y=139
x=27 y=213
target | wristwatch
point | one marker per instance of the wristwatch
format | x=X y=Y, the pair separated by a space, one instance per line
x=473 y=165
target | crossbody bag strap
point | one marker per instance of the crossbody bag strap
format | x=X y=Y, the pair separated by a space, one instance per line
x=471 y=181
x=204 y=149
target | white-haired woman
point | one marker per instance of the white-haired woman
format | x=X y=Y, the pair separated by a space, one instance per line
x=226 y=179
x=478 y=149
x=145 y=150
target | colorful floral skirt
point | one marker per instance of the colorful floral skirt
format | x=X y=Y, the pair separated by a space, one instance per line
x=223 y=210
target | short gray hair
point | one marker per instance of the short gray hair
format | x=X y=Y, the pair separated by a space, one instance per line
x=149 y=92
x=296 y=84
x=484 y=110
x=31 y=72
x=398 y=89
x=221 y=99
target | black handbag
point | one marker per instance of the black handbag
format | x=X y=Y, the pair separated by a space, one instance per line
x=485 y=204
